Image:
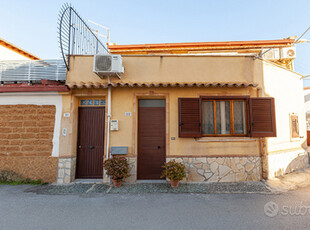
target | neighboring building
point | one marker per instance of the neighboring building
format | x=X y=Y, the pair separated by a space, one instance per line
x=9 y=51
x=216 y=107
x=30 y=112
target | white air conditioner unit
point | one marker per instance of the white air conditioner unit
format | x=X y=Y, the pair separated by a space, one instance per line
x=270 y=54
x=107 y=65
x=288 y=53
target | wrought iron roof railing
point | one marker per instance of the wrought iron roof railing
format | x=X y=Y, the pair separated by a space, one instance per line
x=28 y=70
x=75 y=36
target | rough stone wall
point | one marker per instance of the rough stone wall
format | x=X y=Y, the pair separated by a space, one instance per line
x=221 y=169
x=132 y=161
x=44 y=168
x=212 y=169
x=66 y=170
x=26 y=140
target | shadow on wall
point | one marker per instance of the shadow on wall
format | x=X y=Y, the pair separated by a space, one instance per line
x=304 y=145
x=298 y=163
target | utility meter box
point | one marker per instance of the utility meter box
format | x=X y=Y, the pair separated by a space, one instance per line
x=119 y=150
x=114 y=125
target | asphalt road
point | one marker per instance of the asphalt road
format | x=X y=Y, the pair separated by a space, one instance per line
x=20 y=210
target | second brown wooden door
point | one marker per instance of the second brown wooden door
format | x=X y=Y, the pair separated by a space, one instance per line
x=90 y=142
x=151 y=138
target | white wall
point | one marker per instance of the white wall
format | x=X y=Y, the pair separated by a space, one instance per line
x=285 y=154
x=38 y=99
x=287 y=89
x=7 y=54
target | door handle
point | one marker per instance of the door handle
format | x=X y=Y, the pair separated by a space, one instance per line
x=91 y=147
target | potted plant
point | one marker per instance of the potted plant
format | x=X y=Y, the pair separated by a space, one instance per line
x=175 y=171
x=117 y=168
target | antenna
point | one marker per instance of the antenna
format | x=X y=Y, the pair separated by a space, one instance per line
x=299 y=40
x=104 y=27
x=75 y=36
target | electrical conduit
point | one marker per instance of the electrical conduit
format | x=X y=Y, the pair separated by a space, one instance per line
x=109 y=119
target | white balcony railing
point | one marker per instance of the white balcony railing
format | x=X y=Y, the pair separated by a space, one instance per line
x=28 y=71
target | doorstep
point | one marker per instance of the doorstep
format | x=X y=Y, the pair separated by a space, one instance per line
x=151 y=181
x=87 y=181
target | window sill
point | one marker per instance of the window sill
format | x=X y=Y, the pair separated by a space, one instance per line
x=226 y=139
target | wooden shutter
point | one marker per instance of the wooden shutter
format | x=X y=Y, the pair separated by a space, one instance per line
x=189 y=117
x=262 y=117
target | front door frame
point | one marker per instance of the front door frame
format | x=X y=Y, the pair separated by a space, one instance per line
x=76 y=104
x=149 y=95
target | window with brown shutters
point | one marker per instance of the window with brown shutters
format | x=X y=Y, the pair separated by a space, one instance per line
x=224 y=116
x=189 y=117
x=262 y=117
x=227 y=116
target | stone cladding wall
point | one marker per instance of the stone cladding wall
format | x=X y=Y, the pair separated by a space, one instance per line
x=221 y=169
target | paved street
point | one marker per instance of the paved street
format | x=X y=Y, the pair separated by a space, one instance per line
x=20 y=210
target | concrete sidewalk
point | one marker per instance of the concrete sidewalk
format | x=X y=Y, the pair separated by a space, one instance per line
x=291 y=181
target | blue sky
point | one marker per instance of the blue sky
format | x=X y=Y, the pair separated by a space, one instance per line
x=32 y=24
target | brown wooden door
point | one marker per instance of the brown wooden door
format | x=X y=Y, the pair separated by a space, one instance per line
x=151 y=138
x=90 y=147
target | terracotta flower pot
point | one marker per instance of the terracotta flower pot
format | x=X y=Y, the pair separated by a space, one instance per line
x=174 y=183
x=116 y=184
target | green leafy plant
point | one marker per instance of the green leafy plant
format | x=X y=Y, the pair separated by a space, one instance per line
x=117 y=168
x=13 y=178
x=173 y=170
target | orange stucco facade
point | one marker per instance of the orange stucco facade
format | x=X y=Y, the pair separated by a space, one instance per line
x=169 y=77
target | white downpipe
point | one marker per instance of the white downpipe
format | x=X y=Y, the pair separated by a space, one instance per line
x=109 y=118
